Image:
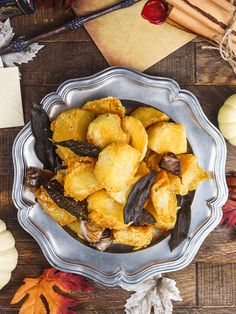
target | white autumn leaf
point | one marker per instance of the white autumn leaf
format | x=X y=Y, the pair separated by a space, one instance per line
x=6 y=33
x=155 y=294
x=25 y=56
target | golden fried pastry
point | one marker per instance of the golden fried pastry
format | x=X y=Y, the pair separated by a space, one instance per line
x=60 y=215
x=71 y=125
x=167 y=137
x=80 y=180
x=138 y=237
x=164 y=202
x=192 y=175
x=149 y=115
x=116 y=166
x=106 y=129
x=105 y=105
x=105 y=211
x=138 y=134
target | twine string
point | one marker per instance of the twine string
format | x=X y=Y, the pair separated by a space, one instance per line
x=226 y=45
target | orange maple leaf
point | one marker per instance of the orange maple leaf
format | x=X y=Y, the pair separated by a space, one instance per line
x=43 y=285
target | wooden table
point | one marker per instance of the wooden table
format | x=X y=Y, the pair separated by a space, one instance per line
x=208 y=285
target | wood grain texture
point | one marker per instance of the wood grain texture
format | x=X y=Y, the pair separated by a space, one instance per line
x=45 y=20
x=179 y=66
x=58 y=62
x=211 y=69
x=215 y=284
x=207 y=285
x=220 y=246
x=204 y=310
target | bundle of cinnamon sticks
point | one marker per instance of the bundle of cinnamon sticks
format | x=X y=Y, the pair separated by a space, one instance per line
x=211 y=19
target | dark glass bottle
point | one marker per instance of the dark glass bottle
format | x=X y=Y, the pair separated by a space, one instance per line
x=11 y=8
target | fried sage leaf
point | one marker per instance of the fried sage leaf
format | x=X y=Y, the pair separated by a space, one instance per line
x=145 y=219
x=34 y=177
x=137 y=197
x=56 y=191
x=181 y=229
x=44 y=148
x=80 y=148
x=171 y=163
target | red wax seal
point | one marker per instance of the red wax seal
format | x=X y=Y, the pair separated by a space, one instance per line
x=155 y=11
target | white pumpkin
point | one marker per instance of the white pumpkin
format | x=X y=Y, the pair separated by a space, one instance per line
x=227 y=119
x=8 y=254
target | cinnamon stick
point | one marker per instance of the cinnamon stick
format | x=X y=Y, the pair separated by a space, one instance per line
x=205 y=11
x=196 y=26
x=224 y=4
x=174 y=23
x=189 y=22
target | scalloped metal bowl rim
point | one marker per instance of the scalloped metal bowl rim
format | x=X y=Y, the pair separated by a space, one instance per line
x=199 y=235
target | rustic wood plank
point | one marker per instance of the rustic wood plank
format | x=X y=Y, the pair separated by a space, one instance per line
x=204 y=310
x=81 y=311
x=83 y=59
x=45 y=20
x=211 y=99
x=78 y=60
x=179 y=66
x=185 y=278
x=31 y=264
x=32 y=94
x=216 y=284
x=211 y=69
x=7 y=137
x=218 y=246
x=18 y=232
x=6 y=209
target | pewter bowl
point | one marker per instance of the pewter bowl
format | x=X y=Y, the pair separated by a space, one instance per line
x=112 y=268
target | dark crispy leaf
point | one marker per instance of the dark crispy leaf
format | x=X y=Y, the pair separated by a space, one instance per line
x=44 y=149
x=137 y=197
x=56 y=191
x=145 y=219
x=171 y=163
x=34 y=177
x=80 y=148
x=181 y=229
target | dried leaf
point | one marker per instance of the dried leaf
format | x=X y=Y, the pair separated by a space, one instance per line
x=43 y=285
x=155 y=294
x=6 y=33
x=229 y=209
x=231 y=182
x=181 y=229
x=34 y=176
x=171 y=163
x=44 y=149
x=229 y=214
x=145 y=219
x=80 y=148
x=56 y=191
x=10 y=60
x=137 y=197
